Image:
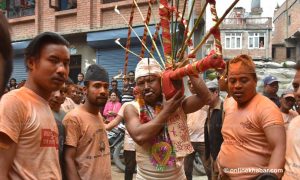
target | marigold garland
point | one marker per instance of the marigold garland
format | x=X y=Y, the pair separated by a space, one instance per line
x=162 y=154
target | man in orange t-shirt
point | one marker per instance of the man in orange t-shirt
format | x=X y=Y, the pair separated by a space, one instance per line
x=87 y=153
x=292 y=164
x=28 y=132
x=253 y=131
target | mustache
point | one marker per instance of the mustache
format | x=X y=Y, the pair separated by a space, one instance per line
x=102 y=97
x=60 y=77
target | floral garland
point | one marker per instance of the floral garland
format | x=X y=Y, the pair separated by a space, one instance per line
x=162 y=152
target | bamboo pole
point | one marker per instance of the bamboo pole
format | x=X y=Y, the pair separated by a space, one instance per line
x=161 y=59
x=193 y=30
x=118 y=12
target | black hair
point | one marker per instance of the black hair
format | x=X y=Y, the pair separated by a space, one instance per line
x=113 y=91
x=35 y=46
x=131 y=72
x=114 y=81
x=81 y=74
x=6 y=50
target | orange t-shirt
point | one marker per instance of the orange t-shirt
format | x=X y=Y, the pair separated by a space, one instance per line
x=28 y=120
x=87 y=133
x=292 y=155
x=245 y=144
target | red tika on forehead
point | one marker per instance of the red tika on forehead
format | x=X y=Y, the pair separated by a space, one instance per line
x=241 y=68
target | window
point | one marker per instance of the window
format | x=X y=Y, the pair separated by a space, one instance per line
x=289 y=20
x=291 y=53
x=233 y=41
x=60 y=5
x=75 y=67
x=256 y=40
x=17 y=8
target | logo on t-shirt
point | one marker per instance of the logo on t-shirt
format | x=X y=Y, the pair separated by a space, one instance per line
x=49 y=138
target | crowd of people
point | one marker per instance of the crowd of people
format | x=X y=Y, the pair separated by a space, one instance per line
x=51 y=128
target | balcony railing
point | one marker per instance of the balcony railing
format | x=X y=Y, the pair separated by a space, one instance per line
x=250 y=21
x=241 y=23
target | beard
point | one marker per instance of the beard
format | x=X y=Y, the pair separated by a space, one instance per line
x=99 y=102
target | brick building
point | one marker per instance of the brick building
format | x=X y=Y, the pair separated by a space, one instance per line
x=286 y=36
x=91 y=26
x=247 y=33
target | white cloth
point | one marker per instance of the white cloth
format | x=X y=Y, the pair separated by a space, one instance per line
x=196 y=122
x=129 y=144
x=68 y=105
x=147 y=66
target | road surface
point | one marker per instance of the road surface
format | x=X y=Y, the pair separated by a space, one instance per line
x=118 y=175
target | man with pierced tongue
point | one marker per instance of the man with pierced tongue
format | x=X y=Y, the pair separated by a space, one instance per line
x=158 y=126
x=253 y=130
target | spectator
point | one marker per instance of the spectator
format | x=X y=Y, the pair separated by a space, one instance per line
x=12 y=84
x=112 y=107
x=195 y=122
x=129 y=144
x=127 y=92
x=131 y=79
x=80 y=79
x=74 y=93
x=213 y=126
x=253 y=130
x=271 y=89
x=28 y=132
x=56 y=99
x=287 y=101
x=292 y=158
x=87 y=152
x=69 y=104
x=114 y=88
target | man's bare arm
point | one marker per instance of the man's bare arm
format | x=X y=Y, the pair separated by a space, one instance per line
x=113 y=123
x=198 y=100
x=277 y=139
x=144 y=132
x=71 y=171
x=7 y=154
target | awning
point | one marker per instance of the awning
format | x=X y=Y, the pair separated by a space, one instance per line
x=20 y=46
x=106 y=38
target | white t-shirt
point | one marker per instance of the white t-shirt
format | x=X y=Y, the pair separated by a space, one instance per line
x=196 y=122
x=129 y=144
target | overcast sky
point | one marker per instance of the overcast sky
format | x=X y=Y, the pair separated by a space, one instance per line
x=267 y=5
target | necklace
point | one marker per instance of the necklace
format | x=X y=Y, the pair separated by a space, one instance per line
x=162 y=154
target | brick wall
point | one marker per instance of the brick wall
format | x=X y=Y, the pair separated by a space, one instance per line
x=89 y=15
x=281 y=28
